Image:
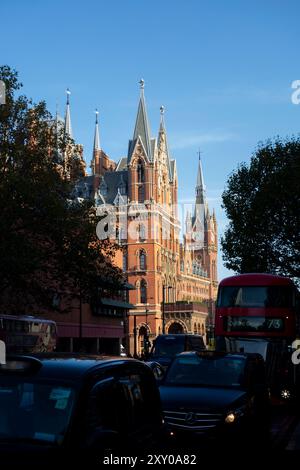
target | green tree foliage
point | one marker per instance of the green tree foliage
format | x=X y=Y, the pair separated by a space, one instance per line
x=48 y=244
x=262 y=203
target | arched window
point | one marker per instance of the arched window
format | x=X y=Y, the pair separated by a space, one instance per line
x=142 y=260
x=141 y=194
x=195 y=328
x=141 y=233
x=140 y=172
x=143 y=292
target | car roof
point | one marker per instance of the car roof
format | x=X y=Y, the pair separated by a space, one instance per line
x=64 y=365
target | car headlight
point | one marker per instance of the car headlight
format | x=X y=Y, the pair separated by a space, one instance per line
x=285 y=393
x=230 y=418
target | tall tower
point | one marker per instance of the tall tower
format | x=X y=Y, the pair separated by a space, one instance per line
x=73 y=162
x=204 y=231
x=153 y=247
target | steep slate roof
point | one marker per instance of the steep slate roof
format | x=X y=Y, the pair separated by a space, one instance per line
x=113 y=180
x=122 y=164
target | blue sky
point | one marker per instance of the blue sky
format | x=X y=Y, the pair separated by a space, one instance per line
x=222 y=69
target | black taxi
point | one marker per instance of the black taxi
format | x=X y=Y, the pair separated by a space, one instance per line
x=72 y=402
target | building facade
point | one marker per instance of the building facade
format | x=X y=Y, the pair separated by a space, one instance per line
x=174 y=277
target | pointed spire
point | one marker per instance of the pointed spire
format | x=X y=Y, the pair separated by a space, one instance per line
x=96 y=137
x=142 y=128
x=68 y=127
x=162 y=140
x=200 y=186
x=201 y=207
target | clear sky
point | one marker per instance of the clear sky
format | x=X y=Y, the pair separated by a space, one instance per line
x=222 y=69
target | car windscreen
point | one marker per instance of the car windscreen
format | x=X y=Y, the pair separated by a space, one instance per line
x=256 y=296
x=206 y=371
x=168 y=346
x=34 y=411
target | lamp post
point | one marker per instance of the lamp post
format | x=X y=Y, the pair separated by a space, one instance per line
x=146 y=337
x=163 y=308
x=134 y=337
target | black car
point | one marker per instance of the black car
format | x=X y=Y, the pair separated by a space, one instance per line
x=75 y=402
x=210 y=394
x=166 y=347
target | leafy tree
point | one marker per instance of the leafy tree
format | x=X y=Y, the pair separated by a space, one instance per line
x=48 y=243
x=262 y=203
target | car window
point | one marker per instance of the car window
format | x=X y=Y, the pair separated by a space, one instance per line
x=212 y=371
x=33 y=410
x=195 y=344
x=168 y=346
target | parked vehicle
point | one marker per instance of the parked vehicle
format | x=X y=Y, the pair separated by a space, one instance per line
x=212 y=394
x=64 y=402
x=25 y=334
x=260 y=313
x=165 y=347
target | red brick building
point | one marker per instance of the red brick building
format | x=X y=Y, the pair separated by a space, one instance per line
x=141 y=193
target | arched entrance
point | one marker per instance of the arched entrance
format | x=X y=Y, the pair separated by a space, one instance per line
x=175 y=328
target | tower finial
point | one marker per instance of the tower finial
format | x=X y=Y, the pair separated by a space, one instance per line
x=142 y=83
x=199 y=154
x=97 y=113
x=68 y=95
x=162 y=112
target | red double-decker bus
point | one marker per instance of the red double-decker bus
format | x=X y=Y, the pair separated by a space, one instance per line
x=259 y=313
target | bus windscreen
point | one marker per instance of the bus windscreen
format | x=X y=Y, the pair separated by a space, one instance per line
x=255 y=296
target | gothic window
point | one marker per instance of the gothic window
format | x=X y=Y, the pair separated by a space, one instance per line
x=142 y=260
x=141 y=233
x=122 y=234
x=143 y=291
x=141 y=193
x=140 y=172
